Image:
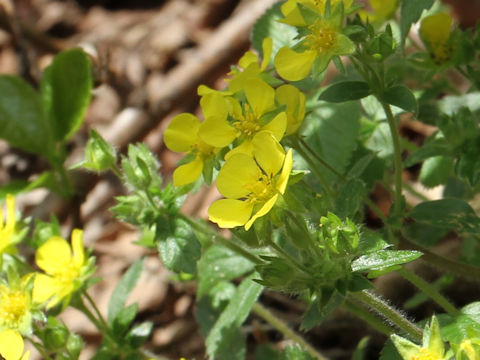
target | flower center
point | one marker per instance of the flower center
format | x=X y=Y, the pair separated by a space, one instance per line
x=248 y=124
x=441 y=53
x=322 y=37
x=204 y=149
x=262 y=190
x=425 y=354
x=13 y=307
x=67 y=274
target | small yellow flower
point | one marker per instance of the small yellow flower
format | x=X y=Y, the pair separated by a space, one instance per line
x=65 y=267
x=11 y=345
x=323 y=41
x=182 y=135
x=432 y=346
x=242 y=121
x=294 y=100
x=435 y=34
x=8 y=237
x=293 y=16
x=16 y=304
x=381 y=10
x=251 y=185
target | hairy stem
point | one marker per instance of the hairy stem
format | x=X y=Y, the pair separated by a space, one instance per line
x=279 y=325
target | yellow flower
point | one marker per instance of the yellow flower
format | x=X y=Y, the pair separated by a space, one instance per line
x=182 y=135
x=248 y=118
x=65 y=267
x=11 y=345
x=16 y=305
x=8 y=237
x=381 y=10
x=293 y=16
x=251 y=185
x=432 y=346
x=435 y=34
x=323 y=41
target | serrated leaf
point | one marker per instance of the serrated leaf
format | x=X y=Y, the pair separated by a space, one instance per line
x=180 y=251
x=220 y=264
x=350 y=198
x=225 y=333
x=139 y=334
x=345 y=91
x=402 y=97
x=331 y=130
x=65 y=88
x=268 y=26
x=123 y=290
x=22 y=119
x=453 y=214
x=410 y=12
x=428 y=150
x=384 y=259
x=381 y=142
x=316 y=313
x=465 y=325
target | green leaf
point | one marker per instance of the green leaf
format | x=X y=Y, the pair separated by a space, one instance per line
x=350 y=198
x=180 y=251
x=65 y=89
x=225 y=333
x=345 y=91
x=447 y=213
x=295 y=353
x=124 y=318
x=384 y=259
x=402 y=97
x=45 y=179
x=316 y=313
x=468 y=165
x=22 y=120
x=410 y=12
x=331 y=130
x=220 y=264
x=433 y=148
x=139 y=334
x=381 y=142
x=268 y=26
x=123 y=290
x=465 y=325
x=389 y=352
x=435 y=171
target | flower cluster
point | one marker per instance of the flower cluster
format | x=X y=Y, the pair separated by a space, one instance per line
x=23 y=298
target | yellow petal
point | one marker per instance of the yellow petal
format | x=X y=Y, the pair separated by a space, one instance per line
x=282 y=181
x=247 y=59
x=277 y=126
x=292 y=15
x=293 y=66
x=11 y=218
x=435 y=29
x=188 y=173
x=260 y=96
x=11 y=344
x=77 y=247
x=229 y=213
x=238 y=172
x=214 y=104
x=263 y=211
x=246 y=147
x=267 y=46
x=294 y=100
x=53 y=255
x=181 y=133
x=26 y=356
x=216 y=131
x=268 y=152
x=44 y=287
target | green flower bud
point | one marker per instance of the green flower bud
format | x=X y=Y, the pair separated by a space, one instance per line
x=99 y=154
x=55 y=338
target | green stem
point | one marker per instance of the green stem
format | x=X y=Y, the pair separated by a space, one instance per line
x=39 y=348
x=224 y=241
x=397 y=157
x=369 y=318
x=389 y=313
x=428 y=290
x=447 y=265
x=279 y=325
x=318 y=174
x=66 y=188
x=96 y=310
x=303 y=143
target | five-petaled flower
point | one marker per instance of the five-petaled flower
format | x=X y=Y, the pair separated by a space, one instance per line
x=16 y=304
x=66 y=269
x=435 y=34
x=11 y=345
x=251 y=185
x=322 y=41
x=241 y=121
